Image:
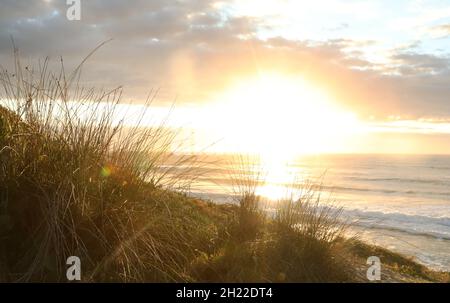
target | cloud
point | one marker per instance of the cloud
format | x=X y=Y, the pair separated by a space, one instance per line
x=192 y=49
x=421 y=64
x=440 y=31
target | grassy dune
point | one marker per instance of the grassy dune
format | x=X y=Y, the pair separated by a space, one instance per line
x=74 y=181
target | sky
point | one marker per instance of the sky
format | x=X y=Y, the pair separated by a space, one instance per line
x=380 y=70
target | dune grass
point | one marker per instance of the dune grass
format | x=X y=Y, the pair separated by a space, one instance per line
x=76 y=180
x=297 y=241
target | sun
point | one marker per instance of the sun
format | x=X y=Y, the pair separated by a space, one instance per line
x=279 y=117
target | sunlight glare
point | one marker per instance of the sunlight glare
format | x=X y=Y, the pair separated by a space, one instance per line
x=278 y=118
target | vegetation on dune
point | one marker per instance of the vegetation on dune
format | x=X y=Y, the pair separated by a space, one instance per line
x=75 y=181
x=297 y=244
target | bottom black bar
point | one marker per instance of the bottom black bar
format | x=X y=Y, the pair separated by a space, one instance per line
x=218 y=292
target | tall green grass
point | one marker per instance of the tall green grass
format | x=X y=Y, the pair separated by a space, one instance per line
x=308 y=231
x=76 y=180
x=246 y=176
x=295 y=239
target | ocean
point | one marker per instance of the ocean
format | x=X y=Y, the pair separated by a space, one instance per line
x=399 y=202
